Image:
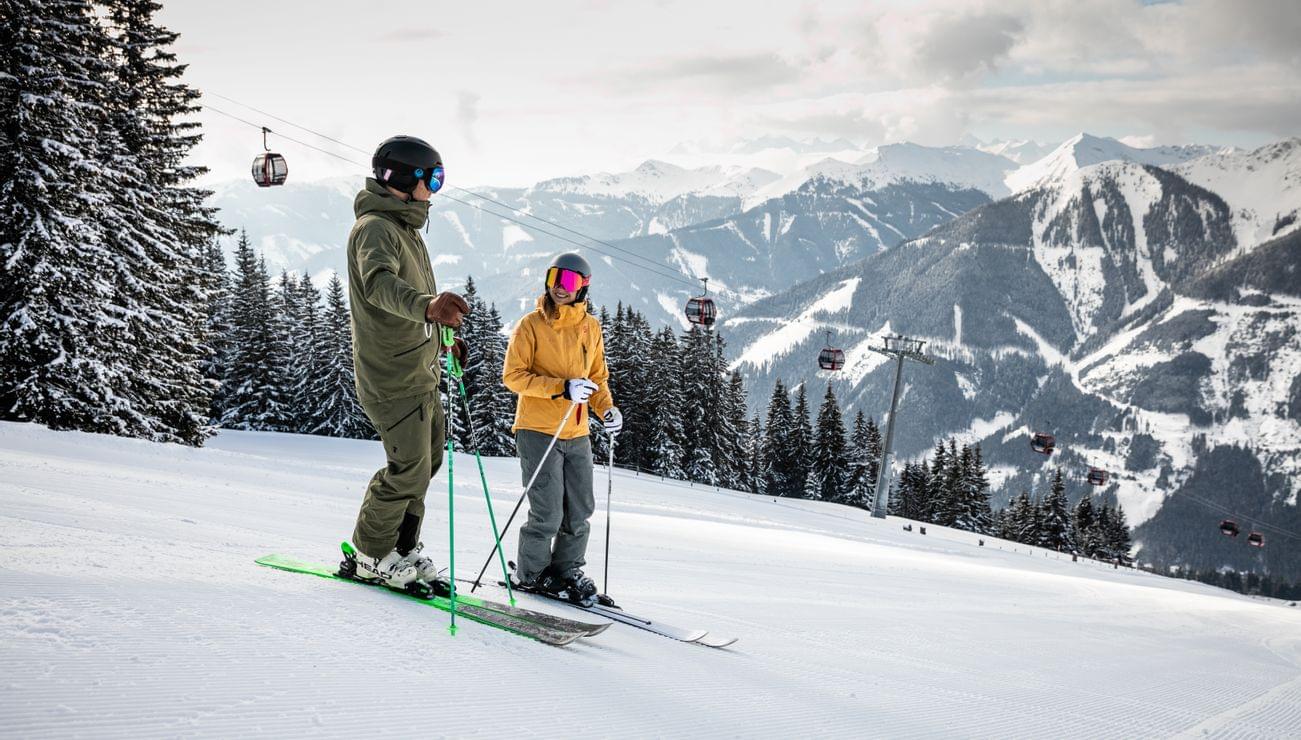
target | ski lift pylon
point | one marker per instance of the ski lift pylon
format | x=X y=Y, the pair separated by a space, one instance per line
x=701 y=310
x=831 y=358
x=269 y=168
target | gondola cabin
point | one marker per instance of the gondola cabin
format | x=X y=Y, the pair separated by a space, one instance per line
x=1229 y=528
x=831 y=358
x=269 y=169
x=701 y=310
x=1043 y=443
x=1097 y=477
x=1256 y=539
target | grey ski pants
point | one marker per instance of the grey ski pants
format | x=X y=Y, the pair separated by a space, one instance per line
x=413 y=435
x=560 y=503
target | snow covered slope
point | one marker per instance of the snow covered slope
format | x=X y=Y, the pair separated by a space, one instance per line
x=130 y=607
x=1262 y=186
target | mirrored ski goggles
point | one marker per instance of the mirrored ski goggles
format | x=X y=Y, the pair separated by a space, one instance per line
x=433 y=177
x=568 y=279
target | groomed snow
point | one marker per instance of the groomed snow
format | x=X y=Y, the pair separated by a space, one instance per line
x=130 y=607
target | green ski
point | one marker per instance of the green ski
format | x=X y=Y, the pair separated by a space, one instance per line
x=545 y=628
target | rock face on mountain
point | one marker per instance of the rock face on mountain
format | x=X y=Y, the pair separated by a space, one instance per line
x=1114 y=307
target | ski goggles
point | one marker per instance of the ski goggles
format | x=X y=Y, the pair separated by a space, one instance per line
x=432 y=177
x=568 y=279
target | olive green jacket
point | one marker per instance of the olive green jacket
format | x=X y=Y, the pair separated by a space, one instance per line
x=390 y=284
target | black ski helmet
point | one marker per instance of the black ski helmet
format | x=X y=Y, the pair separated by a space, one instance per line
x=574 y=262
x=402 y=161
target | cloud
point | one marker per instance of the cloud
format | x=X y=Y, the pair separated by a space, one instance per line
x=410 y=35
x=737 y=73
x=962 y=49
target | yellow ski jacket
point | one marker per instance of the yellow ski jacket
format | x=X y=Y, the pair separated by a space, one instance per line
x=543 y=353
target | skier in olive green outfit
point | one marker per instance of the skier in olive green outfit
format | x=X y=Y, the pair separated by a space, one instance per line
x=396 y=308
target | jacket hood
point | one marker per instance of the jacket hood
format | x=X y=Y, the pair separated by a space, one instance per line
x=376 y=198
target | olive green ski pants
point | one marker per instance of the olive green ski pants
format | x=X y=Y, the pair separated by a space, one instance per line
x=413 y=435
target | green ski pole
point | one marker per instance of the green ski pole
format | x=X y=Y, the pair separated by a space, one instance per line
x=483 y=478
x=453 y=371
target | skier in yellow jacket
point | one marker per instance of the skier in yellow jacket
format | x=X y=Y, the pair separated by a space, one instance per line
x=556 y=359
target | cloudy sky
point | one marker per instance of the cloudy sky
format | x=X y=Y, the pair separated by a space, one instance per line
x=515 y=92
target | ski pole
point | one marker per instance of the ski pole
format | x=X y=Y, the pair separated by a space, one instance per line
x=609 y=490
x=527 y=486
x=492 y=517
x=453 y=371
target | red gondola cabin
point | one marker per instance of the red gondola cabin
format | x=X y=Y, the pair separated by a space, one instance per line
x=831 y=358
x=1229 y=528
x=269 y=169
x=1097 y=477
x=1256 y=539
x=1043 y=443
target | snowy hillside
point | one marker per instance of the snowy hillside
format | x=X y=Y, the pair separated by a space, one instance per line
x=130 y=607
x=1262 y=186
x=1113 y=307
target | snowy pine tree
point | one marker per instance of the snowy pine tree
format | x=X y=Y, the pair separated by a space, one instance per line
x=1055 y=522
x=754 y=465
x=801 y=443
x=663 y=448
x=313 y=356
x=334 y=392
x=217 y=330
x=1083 y=528
x=735 y=439
x=494 y=408
x=170 y=228
x=778 y=452
x=830 y=459
x=64 y=360
x=253 y=383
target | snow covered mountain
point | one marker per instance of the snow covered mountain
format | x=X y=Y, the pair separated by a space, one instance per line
x=130 y=607
x=1114 y=307
x=956 y=167
x=1083 y=150
x=666 y=224
x=1021 y=151
x=1262 y=187
x=658 y=182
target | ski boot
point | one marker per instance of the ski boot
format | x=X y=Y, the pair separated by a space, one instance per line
x=390 y=571
x=576 y=587
x=426 y=571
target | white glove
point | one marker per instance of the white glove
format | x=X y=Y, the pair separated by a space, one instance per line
x=579 y=389
x=613 y=420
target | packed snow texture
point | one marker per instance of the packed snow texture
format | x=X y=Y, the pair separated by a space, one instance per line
x=130 y=607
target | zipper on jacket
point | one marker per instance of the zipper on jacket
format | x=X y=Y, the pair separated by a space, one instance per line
x=413 y=349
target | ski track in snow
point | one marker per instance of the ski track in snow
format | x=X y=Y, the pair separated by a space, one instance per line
x=130 y=607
